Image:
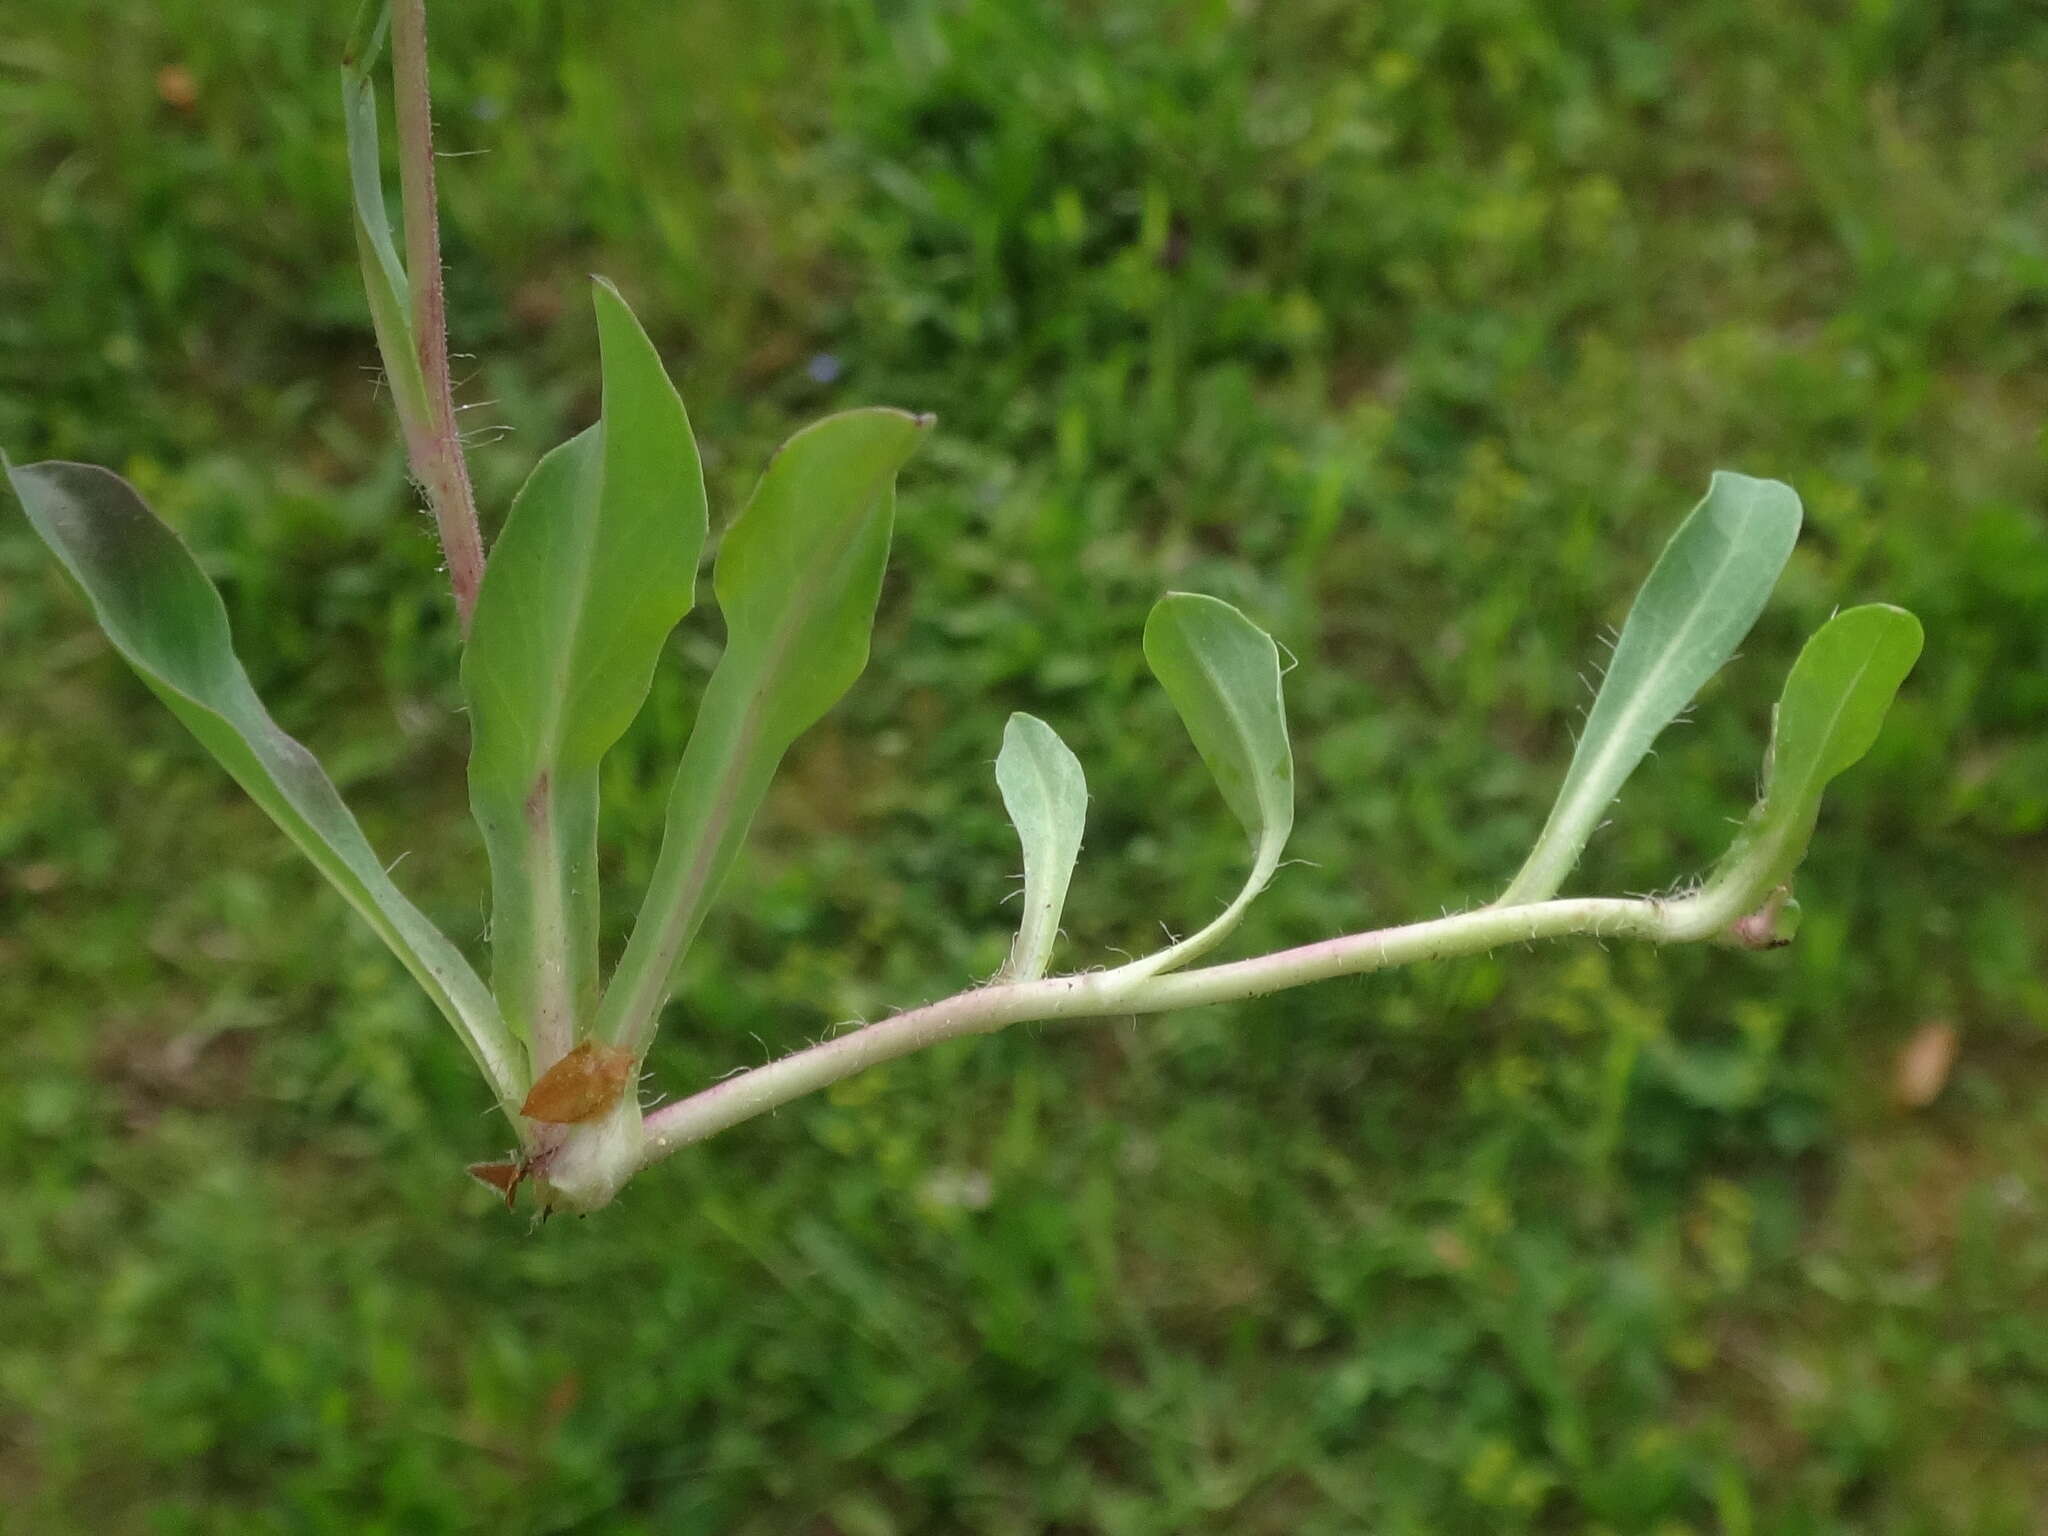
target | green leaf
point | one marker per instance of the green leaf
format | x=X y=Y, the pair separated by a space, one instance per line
x=1223 y=674
x=165 y=618
x=596 y=565
x=1046 y=794
x=383 y=272
x=1702 y=597
x=1833 y=705
x=798 y=577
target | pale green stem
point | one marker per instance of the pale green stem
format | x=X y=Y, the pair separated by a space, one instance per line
x=589 y=1170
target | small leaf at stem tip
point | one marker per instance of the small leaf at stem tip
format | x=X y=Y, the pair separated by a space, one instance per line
x=1832 y=708
x=1046 y=794
x=583 y=1085
x=1700 y=599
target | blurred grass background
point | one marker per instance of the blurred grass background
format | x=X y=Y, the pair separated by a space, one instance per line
x=1412 y=329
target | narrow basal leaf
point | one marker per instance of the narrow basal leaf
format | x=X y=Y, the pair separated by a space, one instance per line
x=166 y=620
x=1223 y=674
x=596 y=565
x=798 y=577
x=1046 y=794
x=1833 y=705
x=1700 y=600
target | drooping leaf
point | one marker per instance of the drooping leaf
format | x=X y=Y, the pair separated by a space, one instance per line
x=1700 y=600
x=1046 y=794
x=798 y=577
x=1222 y=673
x=1833 y=705
x=596 y=565
x=166 y=620
x=584 y=1084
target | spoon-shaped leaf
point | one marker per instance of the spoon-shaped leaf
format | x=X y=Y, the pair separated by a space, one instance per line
x=1046 y=795
x=1828 y=716
x=798 y=577
x=596 y=565
x=166 y=620
x=1700 y=600
x=1223 y=674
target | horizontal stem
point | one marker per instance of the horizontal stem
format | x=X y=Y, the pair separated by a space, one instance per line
x=985 y=1010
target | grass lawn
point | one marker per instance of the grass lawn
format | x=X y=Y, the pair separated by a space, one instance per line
x=1411 y=329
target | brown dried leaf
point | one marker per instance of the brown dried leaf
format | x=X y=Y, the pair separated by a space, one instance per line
x=503 y=1177
x=1922 y=1068
x=581 y=1086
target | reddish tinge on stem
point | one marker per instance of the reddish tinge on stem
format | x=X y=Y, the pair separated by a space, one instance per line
x=434 y=447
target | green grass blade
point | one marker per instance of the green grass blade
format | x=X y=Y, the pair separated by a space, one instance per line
x=798 y=577
x=1046 y=794
x=1829 y=715
x=596 y=565
x=1223 y=674
x=1700 y=600
x=166 y=620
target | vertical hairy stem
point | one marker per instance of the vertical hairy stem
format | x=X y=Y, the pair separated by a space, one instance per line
x=436 y=452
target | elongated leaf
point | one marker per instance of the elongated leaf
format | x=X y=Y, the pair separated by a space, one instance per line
x=594 y=568
x=383 y=272
x=1223 y=674
x=798 y=577
x=1833 y=705
x=1046 y=794
x=163 y=616
x=1700 y=600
